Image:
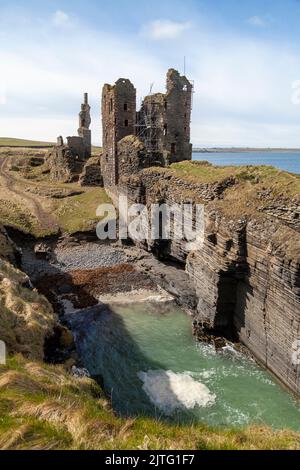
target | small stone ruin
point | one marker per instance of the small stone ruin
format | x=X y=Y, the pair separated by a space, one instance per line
x=70 y=162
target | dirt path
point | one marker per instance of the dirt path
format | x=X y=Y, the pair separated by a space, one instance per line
x=47 y=223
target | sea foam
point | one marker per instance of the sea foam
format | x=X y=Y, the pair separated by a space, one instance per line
x=169 y=391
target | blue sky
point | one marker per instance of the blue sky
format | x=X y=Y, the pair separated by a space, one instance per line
x=244 y=58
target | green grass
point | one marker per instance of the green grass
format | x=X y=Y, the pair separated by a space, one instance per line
x=205 y=172
x=78 y=213
x=13 y=215
x=43 y=407
x=12 y=142
x=71 y=213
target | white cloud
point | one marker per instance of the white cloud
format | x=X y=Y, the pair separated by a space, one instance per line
x=257 y=21
x=243 y=85
x=55 y=79
x=61 y=19
x=165 y=29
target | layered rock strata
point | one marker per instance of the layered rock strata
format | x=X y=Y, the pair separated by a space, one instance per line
x=245 y=270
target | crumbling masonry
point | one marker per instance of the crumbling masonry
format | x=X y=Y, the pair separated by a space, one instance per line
x=158 y=134
x=66 y=161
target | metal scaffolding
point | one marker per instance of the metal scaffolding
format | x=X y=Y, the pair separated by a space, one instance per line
x=147 y=125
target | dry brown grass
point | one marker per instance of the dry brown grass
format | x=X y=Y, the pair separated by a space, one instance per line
x=26 y=317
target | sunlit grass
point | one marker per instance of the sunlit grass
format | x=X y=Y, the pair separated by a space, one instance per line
x=43 y=407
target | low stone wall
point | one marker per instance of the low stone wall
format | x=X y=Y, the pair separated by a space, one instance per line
x=91 y=174
x=63 y=165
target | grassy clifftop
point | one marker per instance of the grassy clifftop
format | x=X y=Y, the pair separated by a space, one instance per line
x=236 y=191
x=10 y=142
x=43 y=407
x=267 y=176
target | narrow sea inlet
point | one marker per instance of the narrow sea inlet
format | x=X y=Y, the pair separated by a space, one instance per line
x=151 y=365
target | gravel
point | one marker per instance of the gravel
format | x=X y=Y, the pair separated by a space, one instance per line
x=88 y=256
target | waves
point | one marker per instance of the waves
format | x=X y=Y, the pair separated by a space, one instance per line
x=171 y=392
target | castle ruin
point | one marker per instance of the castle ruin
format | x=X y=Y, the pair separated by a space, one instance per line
x=158 y=134
x=67 y=161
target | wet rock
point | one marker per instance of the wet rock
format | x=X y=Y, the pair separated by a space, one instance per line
x=42 y=251
x=80 y=372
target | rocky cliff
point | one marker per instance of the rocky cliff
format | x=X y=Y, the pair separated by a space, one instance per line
x=26 y=317
x=246 y=269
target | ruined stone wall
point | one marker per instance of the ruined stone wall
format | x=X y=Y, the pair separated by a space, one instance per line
x=77 y=147
x=118 y=121
x=84 y=126
x=132 y=156
x=66 y=162
x=91 y=174
x=167 y=117
x=162 y=124
x=178 y=102
x=64 y=165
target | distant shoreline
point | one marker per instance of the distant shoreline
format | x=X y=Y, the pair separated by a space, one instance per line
x=244 y=150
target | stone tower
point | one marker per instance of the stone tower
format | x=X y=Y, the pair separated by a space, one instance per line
x=164 y=120
x=177 y=117
x=84 y=125
x=162 y=126
x=118 y=121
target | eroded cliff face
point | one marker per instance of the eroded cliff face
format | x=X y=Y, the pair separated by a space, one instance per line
x=26 y=317
x=7 y=247
x=246 y=270
x=247 y=284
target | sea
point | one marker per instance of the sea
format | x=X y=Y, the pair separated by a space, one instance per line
x=288 y=161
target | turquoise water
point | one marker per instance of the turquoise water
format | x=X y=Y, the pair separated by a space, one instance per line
x=151 y=365
x=289 y=161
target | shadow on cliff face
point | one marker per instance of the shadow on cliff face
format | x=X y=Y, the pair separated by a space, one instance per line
x=234 y=291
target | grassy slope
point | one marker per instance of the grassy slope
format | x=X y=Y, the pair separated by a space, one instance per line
x=26 y=317
x=246 y=197
x=43 y=407
x=73 y=213
x=11 y=142
x=78 y=213
x=13 y=215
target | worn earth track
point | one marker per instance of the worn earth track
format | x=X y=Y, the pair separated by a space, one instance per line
x=47 y=223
